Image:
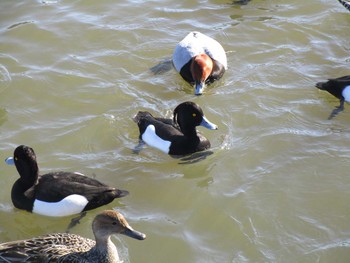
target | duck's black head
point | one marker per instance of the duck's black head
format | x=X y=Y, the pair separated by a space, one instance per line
x=188 y=115
x=26 y=164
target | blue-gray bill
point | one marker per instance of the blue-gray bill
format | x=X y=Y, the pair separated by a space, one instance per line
x=207 y=124
x=199 y=88
x=10 y=161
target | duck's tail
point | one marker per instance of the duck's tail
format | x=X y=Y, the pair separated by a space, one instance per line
x=139 y=115
x=120 y=193
x=321 y=85
x=345 y=3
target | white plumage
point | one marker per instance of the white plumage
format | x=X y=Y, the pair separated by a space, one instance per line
x=346 y=93
x=72 y=204
x=152 y=139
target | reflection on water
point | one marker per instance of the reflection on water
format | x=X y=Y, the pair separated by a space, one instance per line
x=5 y=77
x=241 y=2
x=195 y=157
x=162 y=67
x=19 y=24
x=242 y=18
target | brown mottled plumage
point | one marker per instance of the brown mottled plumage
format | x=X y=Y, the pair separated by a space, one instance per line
x=64 y=247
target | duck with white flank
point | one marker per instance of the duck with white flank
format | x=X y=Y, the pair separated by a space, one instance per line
x=179 y=135
x=64 y=247
x=200 y=60
x=340 y=88
x=57 y=193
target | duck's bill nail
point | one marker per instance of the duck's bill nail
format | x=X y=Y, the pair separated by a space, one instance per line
x=207 y=124
x=199 y=88
x=134 y=234
x=10 y=161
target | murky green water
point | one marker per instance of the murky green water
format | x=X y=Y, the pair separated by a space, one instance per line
x=277 y=186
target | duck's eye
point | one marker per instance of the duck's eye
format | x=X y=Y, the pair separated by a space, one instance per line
x=194 y=114
x=114 y=223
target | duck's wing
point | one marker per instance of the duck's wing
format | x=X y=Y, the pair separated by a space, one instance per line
x=342 y=79
x=44 y=248
x=163 y=126
x=168 y=121
x=53 y=187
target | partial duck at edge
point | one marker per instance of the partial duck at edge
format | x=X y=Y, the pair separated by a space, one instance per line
x=338 y=87
x=345 y=3
x=64 y=247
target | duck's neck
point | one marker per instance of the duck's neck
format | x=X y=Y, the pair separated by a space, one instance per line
x=22 y=193
x=190 y=132
x=29 y=175
x=106 y=248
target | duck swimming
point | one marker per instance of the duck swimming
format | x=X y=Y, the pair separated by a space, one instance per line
x=56 y=193
x=200 y=60
x=345 y=3
x=338 y=87
x=177 y=136
x=65 y=247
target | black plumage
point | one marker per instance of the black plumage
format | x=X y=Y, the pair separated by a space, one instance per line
x=336 y=87
x=181 y=130
x=53 y=187
x=346 y=4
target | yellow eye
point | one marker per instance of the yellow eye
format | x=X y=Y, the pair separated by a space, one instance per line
x=194 y=115
x=16 y=158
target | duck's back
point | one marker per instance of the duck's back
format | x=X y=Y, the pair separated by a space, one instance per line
x=196 y=43
x=53 y=187
x=165 y=128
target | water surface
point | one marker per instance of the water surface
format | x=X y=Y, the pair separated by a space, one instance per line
x=275 y=189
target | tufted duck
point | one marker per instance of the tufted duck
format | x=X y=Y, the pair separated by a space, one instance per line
x=179 y=135
x=56 y=193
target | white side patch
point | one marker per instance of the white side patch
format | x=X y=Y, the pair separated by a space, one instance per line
x=346 y=93
x=72 y=204
x=152 y=139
